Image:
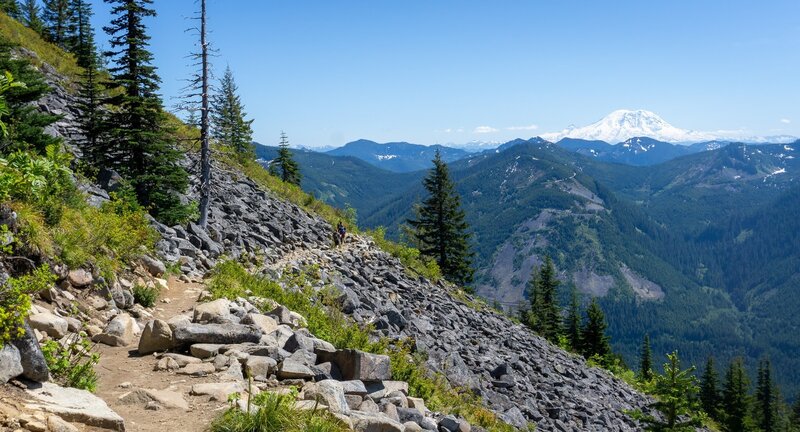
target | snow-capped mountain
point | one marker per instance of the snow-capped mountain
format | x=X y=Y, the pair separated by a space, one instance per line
x=622 y=125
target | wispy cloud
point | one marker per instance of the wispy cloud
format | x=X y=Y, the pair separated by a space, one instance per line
x=484 y=130
x=523 y=128
x=785 y=121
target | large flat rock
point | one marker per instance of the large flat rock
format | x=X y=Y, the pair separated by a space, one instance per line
x=73 y=405
x=188 y=334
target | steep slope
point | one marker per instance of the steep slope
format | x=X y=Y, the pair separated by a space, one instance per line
x=397 y=156
x=344 y=181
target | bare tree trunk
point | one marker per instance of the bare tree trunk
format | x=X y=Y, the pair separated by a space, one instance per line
x=205 y=151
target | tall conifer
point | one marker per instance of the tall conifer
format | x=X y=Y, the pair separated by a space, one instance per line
x=646 y=360
x=11 y=8
x=441 y=226
x=709 y=390
x=594 y=340
x=92 y=119
x=572 y=323
x=31 y=16
x=765 y=401
x=139 y=142
x=229 y=125
x=284 y=165
x=56 y=16
x=735 y=399
x=545 y=309
x=80 y=39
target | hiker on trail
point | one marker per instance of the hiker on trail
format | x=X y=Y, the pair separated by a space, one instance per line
x=342 y=232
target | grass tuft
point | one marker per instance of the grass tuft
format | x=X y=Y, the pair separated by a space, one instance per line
x=272 y=412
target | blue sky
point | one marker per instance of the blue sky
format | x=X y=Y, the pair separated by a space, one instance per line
x=329 y=72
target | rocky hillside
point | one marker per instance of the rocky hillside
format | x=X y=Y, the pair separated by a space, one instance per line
x=519 y=376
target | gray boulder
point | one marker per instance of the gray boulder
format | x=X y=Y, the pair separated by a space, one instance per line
x=154 y=266
x=299 y=341
x=330 y=393
x=188 y=334
x=259 y=367
x=34 y=365
x=55 y=326
x=156 y=336
x=292 y=369
x=369 y=422
x=358 y=365
x=265 y=323
x=217 y=311
x=119 y=332
x=10 y=363
x=74 y=405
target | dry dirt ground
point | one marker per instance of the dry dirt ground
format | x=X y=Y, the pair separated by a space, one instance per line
x=123 y=365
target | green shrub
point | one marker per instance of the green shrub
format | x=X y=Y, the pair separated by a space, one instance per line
x=72 y=364
x=15 y=300
x=105 y=237
x=44 y=181
x=274 y=412
x=145 y=296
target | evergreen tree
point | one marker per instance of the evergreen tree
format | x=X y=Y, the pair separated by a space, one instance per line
x=139 y=146
x=735 y=400
x=26 y=122
x=57 y=18
x=284 y=165
x=765 y=402
x=11 y=8
x=229 y=126
x=31 y=16
x=645 y=360
x=709 y=390
x=545 y=308
x=795 y=413
x=675 y=392
x=6 y=83
x=441 y=226
x=80 y=37
x=594 y=340
x=572 y=323
x=93 y=118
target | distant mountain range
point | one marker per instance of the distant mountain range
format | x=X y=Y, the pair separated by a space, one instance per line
x=397 y=156
x=638 y=138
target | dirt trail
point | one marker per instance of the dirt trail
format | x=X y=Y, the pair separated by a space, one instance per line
x=124 y=365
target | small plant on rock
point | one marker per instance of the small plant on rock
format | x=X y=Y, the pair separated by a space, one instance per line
x=72 y=362
x=145 y=296
x=15 y=301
